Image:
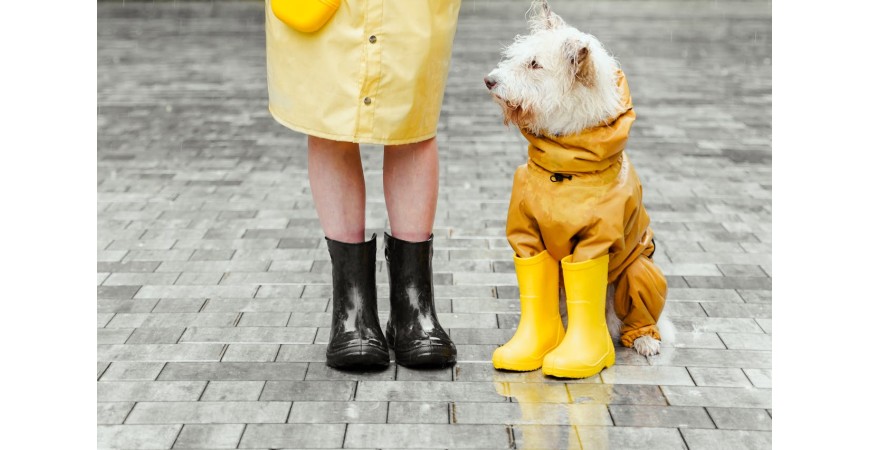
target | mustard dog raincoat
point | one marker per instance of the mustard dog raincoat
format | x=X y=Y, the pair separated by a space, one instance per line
x=579 y=195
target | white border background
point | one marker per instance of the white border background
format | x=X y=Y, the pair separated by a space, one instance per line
x=821 y=187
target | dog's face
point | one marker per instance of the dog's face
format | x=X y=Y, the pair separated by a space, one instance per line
x=555 y=79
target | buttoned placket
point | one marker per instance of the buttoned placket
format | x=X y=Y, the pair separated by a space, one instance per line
x=371 y=68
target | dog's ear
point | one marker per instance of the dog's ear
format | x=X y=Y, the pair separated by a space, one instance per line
x=543 y=18
x=579 y=61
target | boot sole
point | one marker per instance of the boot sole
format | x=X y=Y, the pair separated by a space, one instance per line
x=358 y=358
x=516 y=368
x=435 y=357
x=425 y=358
x=610 y=360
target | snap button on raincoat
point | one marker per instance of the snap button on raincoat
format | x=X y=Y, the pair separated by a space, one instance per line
x=593 y=208
x=375 y=73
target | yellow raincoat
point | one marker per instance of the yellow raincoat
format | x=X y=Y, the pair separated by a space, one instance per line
x=375 y=73
x=579 y=195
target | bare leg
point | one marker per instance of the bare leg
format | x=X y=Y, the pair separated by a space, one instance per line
x=337 y=184
x=411 y=189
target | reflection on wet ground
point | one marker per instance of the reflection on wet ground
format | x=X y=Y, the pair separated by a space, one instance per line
x=557 y=416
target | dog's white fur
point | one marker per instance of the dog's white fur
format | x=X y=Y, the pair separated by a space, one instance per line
x=538 y=87
x=538 y=74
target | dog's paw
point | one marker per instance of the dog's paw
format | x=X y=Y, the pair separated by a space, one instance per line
x=647 y=345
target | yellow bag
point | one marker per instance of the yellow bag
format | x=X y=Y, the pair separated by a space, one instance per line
x=306 y=16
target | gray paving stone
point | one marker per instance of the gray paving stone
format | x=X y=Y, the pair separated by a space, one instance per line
x=199 y=278
x=424 y=374
x=170 y=320
x=136 y=436
x=157 y=391
x=338 y=412
x=755 y=295
x=251 y=352
x=727 y=439
x=250 y=335
x=712 y=358
x=419 y=412
x=265 y=305
x=302 y=353
x=660 y=416
x=716 y=324
x=253 y=319
x=109 y=413
x=212 y=254
x=178 y=305
x=232 y=371
x=714 y=376
x=734 y=397
x=522 y=412
x=497 y=336
x=158 y=255
x=321 y=372
x=424 y=391
x=209 y=436
x=656 y=375
x=113 y=335
x=766 y=325
x=309 y=391
x=104 y=319
x=294 y=436
x=117 y=292
x=132 y=371
x=282 y=291
x=747 y=341
x=426 y=435
x=212 y=266
x=618 y=394
x=751 y=310
x=233 y=391
x=125 y=306
x=209 y=412
x=194 y=291
x=741 y=419
x=639 y=438
x=127 y=266
x=760 y=378
x=155 y=336
x=160 y=352
x=696 y=340
x=703 y=295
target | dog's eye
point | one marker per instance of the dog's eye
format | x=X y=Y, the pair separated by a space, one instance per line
x=534 y=65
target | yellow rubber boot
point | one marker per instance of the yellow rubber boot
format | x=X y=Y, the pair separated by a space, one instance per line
x=540 y=329
x=587 y=348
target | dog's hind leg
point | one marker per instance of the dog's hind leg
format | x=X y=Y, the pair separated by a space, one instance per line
x=614 y=323
x=639 y=300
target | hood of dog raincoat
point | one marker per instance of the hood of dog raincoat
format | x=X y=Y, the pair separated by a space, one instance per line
x=591 y=150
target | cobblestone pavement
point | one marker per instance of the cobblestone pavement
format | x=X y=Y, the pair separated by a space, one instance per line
x=214 y=278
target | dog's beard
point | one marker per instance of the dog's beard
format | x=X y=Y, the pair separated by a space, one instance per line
x=514 y=113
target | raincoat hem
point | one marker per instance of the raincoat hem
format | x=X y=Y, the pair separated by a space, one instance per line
x=348 y=138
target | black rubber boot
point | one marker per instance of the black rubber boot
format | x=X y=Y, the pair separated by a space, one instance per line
x=356 y=339
x=413 y=330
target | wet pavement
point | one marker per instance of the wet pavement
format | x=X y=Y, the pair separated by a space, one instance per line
x=213 y=276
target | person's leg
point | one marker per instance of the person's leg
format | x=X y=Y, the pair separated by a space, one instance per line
x=411 y=192
x=411 y=188
x=338 y=187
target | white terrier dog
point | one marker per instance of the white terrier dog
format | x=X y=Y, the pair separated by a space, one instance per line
x=558 y=81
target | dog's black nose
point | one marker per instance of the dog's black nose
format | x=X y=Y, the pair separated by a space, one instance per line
x=489 y=81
